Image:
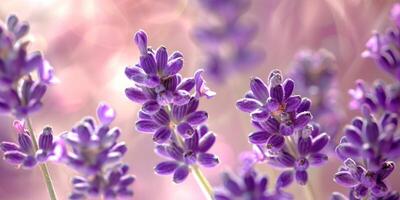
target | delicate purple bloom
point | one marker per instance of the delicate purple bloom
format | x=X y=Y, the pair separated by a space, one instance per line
x=285 y=135
x=249 y=186
x=92 y=150
x=170 y=110
x=16 y=65
x=380 y=97
x=384 y=48
x=25 y=153
x=227 y=44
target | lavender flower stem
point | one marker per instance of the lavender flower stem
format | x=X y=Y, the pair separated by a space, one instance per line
x=203 y=182
x=43 y=166
x=309 y=192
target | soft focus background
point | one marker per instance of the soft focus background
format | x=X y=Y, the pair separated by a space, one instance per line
x=90 y=42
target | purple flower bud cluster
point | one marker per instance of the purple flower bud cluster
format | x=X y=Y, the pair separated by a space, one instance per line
x=170 y=111
x=384 y=48
x=227 y=44
x=26 y=153
x=315 y=75
x=369 y=149
x=16 y=64
x=92 y=149
x=380 y=98
x=248 y=185
x=285 y=134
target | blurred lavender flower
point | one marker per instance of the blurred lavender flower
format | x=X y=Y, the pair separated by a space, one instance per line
x=169 y=110
x=380 y=98
x=227 y=43
x=96 y=154
x=249 y=185
x=315 y=75
x=25 y=153
x=16 y=64
x=384 y=48
x=285 y=133
x=369 y=149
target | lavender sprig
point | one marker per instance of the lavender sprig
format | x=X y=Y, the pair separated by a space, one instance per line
x=315 y=75
x=16 y=64
x=285 y=134
x=20 y=95
x=170 y=112
x=96 y=154
x=369 y=149
x=249 y=184
x=27 y=153
x=384 y=48
x=227 y=43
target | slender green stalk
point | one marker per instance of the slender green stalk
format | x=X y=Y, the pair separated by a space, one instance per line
x=43 y=166
x=309 y=192
x=203 y=182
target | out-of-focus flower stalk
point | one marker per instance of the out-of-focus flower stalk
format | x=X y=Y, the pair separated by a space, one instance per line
x=43 y=166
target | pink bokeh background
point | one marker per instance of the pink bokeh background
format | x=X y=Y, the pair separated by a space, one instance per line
x=90 y=42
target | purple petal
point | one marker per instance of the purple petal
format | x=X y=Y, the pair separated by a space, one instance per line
x=46 y=139
x=167 y=167
x=248 y=105
x=173 y=67
x=347 y=150
x=284 y=179
x=147 y=126
x=207 y=159
x=288 y=87
x=8 y=146
x=345 y=178
x=201 y=88
x=319 y=142
x=317 y=159
x=136 y=95
x=206 y=142
x=181 y=173
x=162 y=135
x=302 y=119
x=151 y=107
x=259 y=89
x=197 y=117
x=371 y=131
x=304 y=145
x=292 y=103
x=105 y=113
x=301 y=177
x=141 y=41
x=15 y=157
x=162 y=58
x=275 y=142
x=259 y=137
x=185 y=130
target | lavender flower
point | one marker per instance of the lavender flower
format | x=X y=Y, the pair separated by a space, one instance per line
x=315 y=75
x=285 y=135
x=380 y=98
x=368 y=149
x=96 y=154
x=169 y=110
x=249 y=185
x=16 y=64
x=25 y=153
x=384 y=48
x=227 y=44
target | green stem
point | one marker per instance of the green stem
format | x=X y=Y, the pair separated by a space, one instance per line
x=43 y=166
x=203 y=182
x=309 y=192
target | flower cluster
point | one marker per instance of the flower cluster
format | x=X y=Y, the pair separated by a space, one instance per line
x=285 y=135
x=16 y=64
x=315 y=76
x=96 y=154
x=227 y=44
x=380 y=98
x=384 y=48
x=368 y=149
x=169 y=110
x=28 y=153
x=249 y=185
